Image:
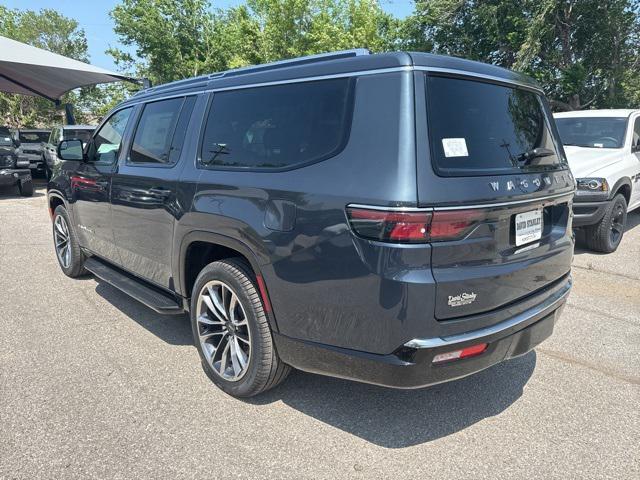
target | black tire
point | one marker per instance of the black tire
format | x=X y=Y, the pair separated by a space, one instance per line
x=264 y=368
x=606 y=235
x=26 y=188
x=76 y=257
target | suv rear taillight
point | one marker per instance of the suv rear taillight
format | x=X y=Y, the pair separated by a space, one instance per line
x=413 y=226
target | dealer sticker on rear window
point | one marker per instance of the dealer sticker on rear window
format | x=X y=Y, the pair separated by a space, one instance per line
x=455 y=147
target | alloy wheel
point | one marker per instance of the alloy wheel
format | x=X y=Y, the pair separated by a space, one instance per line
x=223 y=331
x=617 y=224
x=61 y=239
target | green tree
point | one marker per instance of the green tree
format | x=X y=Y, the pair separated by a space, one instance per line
x=178 y=39
x=51 y=31
x=583 y=52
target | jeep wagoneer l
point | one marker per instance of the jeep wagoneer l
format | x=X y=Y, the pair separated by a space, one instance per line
x=401 y=219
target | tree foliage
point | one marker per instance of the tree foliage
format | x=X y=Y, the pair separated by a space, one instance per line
x=178 y=39
x=583 y=52
x=51 y=31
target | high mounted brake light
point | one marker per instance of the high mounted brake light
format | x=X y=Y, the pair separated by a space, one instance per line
x=412 y=226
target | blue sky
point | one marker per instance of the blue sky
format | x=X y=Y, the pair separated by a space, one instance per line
x=93 y=17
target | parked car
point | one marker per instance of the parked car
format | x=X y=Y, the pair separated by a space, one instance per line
x=306 y=217
x=31 y=145
x=603 y=149
x=9 y=173
x=58 y=134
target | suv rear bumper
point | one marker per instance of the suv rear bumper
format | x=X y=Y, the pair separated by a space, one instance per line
x=411 y=365
x=589 y=213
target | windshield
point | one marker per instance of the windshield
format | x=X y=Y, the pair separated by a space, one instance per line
x=479 y=128
x=83 y=135
x=33 y=137
x=592 y=132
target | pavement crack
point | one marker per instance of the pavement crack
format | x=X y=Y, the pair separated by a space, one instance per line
x=608 y=315
x=607 y=272
x=609 y=372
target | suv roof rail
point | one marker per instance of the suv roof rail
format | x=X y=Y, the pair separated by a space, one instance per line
x=320 y=57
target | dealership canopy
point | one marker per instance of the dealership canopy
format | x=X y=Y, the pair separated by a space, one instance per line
x=29 y=70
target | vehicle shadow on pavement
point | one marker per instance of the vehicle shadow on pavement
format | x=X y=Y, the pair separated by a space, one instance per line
x=386 y=417
x=173 y=329
x=11 y=191
x=403 y=418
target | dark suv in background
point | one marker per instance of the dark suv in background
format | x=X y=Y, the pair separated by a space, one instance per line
x=10 y=171
x=30 y=151
x=401 y=219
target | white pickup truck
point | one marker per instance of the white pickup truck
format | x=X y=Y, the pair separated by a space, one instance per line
x=603 y=149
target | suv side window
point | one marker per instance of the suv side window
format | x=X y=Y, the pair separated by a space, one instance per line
x=106 y=143
x=635 y=141
x=278 y=126
x=160 y=132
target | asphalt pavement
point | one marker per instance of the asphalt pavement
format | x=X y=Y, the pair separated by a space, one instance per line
x=95 y=385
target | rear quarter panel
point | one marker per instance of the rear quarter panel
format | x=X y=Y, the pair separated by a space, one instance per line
x=326 y=285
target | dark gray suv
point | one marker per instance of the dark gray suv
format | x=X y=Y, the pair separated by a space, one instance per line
x=401 y=219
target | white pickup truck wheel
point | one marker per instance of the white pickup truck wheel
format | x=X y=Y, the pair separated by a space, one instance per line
x=607 y=234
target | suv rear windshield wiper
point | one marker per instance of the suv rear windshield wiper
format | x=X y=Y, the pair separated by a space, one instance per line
x=526 y=157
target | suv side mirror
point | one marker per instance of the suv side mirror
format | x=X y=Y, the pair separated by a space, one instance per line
x=16 y=143
x=70 y=150
x=636 y=148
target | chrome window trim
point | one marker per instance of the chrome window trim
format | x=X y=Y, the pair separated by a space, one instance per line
x=390 y=209
x=454 y=71
x=461 y=207
x=542 y=309
x=505 y=204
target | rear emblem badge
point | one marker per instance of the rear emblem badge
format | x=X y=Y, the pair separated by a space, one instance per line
x=462 y=299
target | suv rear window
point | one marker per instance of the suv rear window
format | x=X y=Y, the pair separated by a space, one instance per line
x=83 y=135
x=279 y=126
x=33 y=137
x=479 y=128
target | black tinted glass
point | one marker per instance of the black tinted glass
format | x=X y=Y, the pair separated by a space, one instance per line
x=106 y=144
x=33 y=137
x=154 y=134
x=592 y=132
x=83 y=135
x=481 y=128
x=181 y=129
x=279 y=126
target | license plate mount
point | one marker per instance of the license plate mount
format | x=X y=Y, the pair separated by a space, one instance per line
x=528 y=227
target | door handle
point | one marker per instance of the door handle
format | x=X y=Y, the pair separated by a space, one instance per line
x=102 y=183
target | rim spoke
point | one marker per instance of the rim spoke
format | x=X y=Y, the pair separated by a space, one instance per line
x=234 y=361
x=243 y=339
x=242 y=357
x=232 y=308
x=223 y=359
x=215 y=305
x=208 y=335
x=204 y=319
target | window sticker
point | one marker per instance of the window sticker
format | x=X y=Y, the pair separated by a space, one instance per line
x=455 y=147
